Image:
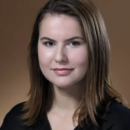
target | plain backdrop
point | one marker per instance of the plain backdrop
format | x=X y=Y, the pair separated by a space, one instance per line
x=16 y=22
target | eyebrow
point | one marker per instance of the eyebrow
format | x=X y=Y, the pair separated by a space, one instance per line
x=70 y=39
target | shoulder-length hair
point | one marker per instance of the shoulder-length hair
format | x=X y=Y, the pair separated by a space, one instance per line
x=98 y=91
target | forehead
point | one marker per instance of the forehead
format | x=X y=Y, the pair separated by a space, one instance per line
x=48 y=17
x=60 y=24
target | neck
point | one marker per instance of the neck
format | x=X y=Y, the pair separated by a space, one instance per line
x=66 y=99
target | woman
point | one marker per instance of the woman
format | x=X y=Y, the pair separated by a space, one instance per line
x=69 y=72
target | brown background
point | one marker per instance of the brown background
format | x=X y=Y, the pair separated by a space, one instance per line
x=16 y=21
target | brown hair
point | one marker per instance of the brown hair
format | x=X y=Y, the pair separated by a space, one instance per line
x=98 y=91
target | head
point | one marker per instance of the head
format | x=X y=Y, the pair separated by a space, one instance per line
x=62 y=53
x=97 y=86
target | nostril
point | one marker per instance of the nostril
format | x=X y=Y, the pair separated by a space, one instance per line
x=60 y=57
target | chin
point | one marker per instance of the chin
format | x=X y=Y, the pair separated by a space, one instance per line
x=64 y=84
x=61 y=86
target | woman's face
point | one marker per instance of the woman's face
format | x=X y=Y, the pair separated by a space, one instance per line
x=62 y=51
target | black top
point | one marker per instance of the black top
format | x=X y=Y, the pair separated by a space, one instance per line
x=117 y=118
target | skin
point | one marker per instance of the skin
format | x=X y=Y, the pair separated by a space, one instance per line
x=56 y=51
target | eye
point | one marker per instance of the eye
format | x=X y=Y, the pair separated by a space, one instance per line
x=49 y=44
x=74 y=43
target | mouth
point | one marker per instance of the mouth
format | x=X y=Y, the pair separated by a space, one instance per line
x=62 y=71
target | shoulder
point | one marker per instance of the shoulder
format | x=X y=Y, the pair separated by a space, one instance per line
x=12 y=118
x=117 y=118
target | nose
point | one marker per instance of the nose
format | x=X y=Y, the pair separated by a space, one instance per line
x=61 y=56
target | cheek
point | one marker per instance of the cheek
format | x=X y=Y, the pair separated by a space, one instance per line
x=80 y=58
x=45 y=57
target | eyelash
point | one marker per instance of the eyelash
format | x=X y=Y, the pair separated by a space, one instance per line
x=46 y=44
x=75 y=43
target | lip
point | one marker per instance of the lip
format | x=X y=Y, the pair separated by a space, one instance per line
x=62 y=71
